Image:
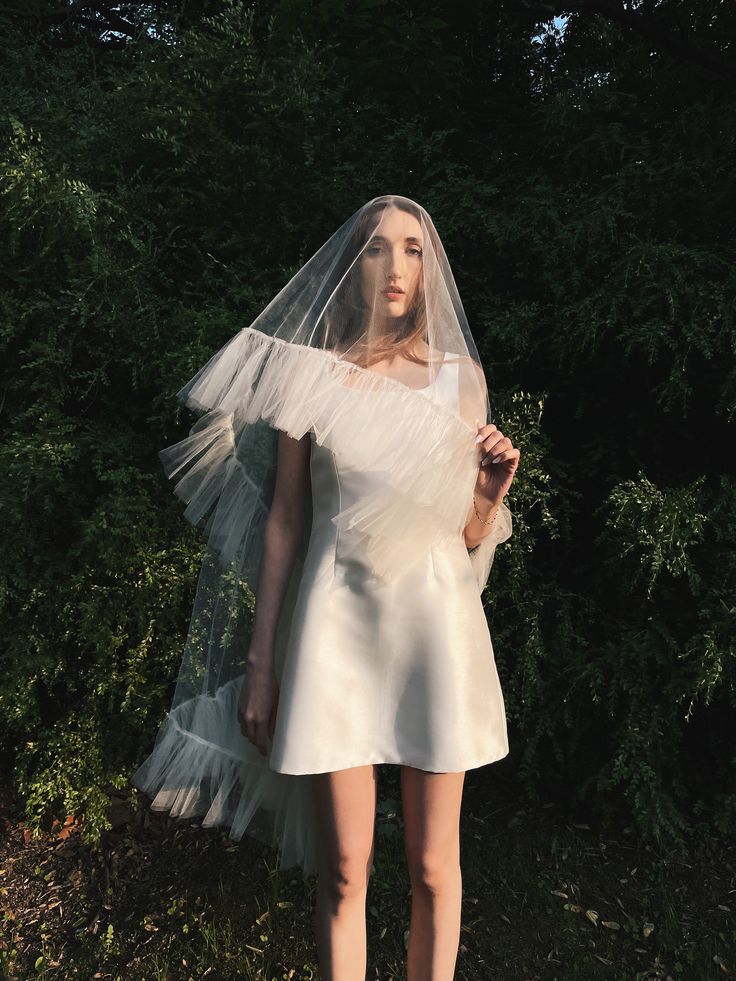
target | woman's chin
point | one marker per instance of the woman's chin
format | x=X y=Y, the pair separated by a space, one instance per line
x=395 y=308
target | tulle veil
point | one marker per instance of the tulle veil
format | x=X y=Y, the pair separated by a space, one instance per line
x=314 y=360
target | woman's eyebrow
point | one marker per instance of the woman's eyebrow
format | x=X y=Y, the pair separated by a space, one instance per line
x=382 y=238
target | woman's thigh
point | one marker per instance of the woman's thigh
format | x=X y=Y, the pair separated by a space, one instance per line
x=346 y=810
x=431 y=808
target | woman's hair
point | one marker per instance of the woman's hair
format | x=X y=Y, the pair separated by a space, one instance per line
x=344 y=321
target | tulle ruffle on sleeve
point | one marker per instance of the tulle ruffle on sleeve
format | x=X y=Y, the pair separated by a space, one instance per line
x=422 y=455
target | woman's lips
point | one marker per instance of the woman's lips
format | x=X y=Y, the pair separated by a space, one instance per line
x=393 y=294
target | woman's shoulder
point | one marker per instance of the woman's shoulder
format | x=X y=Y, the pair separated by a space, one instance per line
x=470 y=370
x=472 y=391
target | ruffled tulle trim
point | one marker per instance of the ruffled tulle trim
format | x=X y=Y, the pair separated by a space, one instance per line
x=202 y=767
x=424 y=453
x=214 y=483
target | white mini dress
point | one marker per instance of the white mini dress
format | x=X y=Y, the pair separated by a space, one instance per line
x=372 y=672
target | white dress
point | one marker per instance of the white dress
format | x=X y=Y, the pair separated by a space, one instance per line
x=402 y=672
x=396 y=669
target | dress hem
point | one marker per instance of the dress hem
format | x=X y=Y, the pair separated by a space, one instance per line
x=394 y=761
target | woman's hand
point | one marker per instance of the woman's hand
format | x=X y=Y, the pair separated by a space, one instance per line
x=257 y=705
x=498 y=463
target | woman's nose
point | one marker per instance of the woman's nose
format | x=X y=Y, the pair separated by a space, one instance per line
x=396 y=262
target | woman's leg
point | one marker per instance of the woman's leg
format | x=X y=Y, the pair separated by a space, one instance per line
x=431 y=807
x=346 y=810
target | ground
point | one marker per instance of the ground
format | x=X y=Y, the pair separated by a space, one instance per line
x=544 y=899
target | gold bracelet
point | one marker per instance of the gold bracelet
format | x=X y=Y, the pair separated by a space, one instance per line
x=483 y=520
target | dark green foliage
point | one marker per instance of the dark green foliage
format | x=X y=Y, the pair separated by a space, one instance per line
x=156 y=194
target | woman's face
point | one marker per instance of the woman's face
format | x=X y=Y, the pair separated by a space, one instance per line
x=392 y=258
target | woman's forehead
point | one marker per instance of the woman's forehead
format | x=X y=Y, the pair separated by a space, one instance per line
x=397 y=224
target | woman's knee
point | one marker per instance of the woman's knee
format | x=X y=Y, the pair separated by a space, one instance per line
x=346 y=802
x=345 y=875
x=433 y=870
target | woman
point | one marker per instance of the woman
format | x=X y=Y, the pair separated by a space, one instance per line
x=366 y=528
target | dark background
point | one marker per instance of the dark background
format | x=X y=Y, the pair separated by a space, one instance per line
x=166 y=167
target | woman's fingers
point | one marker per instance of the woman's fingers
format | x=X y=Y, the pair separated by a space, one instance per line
x=512 y=454
x=485 y=431
x=491 y=436
x=258 y=731
x=255 y=734
x=497 y=447
x=272 y=718
x=260 y=738
x=256 y=713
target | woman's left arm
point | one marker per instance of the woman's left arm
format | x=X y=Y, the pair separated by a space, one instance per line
x=498 y=465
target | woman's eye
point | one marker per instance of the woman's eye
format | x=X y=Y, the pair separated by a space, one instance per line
x=375 y=249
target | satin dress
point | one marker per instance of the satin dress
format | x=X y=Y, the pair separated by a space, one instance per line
x=375 y=672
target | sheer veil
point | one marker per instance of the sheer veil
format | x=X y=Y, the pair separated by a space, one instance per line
x=337 y=354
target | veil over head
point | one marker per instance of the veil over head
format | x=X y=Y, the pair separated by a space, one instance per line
x=347 y=350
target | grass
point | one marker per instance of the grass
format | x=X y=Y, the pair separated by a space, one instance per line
x=543 y=898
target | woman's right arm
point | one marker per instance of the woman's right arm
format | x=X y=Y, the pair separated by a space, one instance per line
x=283 y=534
